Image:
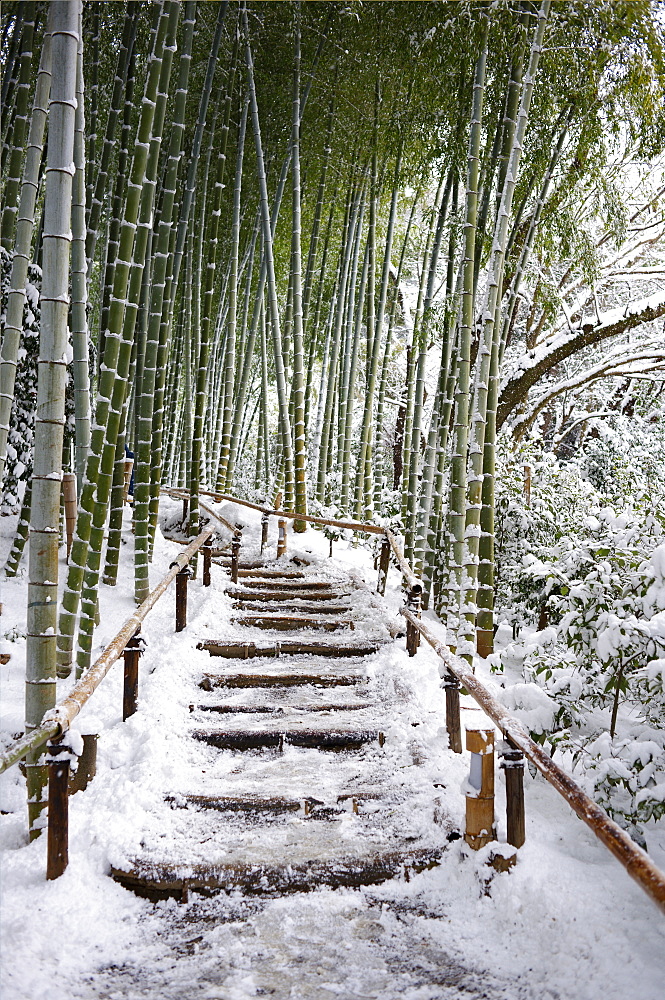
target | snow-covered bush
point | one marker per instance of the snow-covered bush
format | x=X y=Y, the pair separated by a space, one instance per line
x=603 y=664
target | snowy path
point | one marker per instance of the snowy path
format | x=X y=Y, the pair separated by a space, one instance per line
x=566 y=922
x=290 y=785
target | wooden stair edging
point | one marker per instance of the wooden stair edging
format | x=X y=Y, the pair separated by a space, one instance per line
x=249 y=650
x=157 y=882
x=263 y=739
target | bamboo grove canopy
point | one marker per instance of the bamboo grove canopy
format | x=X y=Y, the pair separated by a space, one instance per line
x=285 y=247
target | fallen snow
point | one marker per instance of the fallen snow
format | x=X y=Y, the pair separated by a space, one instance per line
x=566 y=922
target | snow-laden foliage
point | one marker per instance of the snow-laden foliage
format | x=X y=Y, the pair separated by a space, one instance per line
x=596 y=573
x=21 y=437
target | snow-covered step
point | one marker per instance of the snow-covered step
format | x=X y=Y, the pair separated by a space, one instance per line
x=244 y=651
x=272 y=680
x=279 y=736
x=163 y=881
x=267 y=595
x=300 y=605
x=288 y=623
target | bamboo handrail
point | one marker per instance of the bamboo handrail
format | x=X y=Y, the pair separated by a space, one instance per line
x=290 y=515
x=59 y=719
x=414 y=583
x=174 y=491
x=637 y=862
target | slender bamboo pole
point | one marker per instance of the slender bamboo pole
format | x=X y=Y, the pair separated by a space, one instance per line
x=50 y=418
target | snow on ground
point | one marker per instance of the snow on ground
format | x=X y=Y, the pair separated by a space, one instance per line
x=566 y=922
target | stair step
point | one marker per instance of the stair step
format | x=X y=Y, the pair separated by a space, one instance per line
x=279 y=574
x=306 y=607
x=227 y=803
x=258 y=739
x=284 y=583
x=211 y=681
x=265 y=595
x=248 y=650
x=157 y=882
x=286 y=623
x=278 y=709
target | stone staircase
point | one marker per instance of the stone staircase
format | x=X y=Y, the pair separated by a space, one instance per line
x=303 y=787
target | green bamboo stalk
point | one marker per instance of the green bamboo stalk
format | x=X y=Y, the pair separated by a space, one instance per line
x=144 y=230
x=112 y=243
x=13 y=170
x=232 y=287
x=79 y=553
x=96 y=195
x=325 y=451
x=79 y=320
x=50 y=417
x=93 y=116
x=20 y=535
x=353 y=367
x=144 y=409
x=285 y=424
x=174 y=272
x=458 y=480
x=22 y=249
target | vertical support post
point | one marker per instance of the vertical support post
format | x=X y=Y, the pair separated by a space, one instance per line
x=513 y=765
x=384 y=563
x=527 y=485
x=235 y=556
x=412 y=633
x=453 y=724
x=185 y=510
x=87 y=765
x=129 y=466
x=281 y=538
x=480 y=828
x=264 y=531
x=130 y=694
x=181 y=581
x=57 y=850
x=207 y=561
x=69 y=496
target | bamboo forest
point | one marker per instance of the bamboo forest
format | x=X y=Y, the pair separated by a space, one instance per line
x=295 y=294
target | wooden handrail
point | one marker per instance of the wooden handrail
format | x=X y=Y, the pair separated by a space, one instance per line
x=174 y=491
x=56 y=722
x=637 y=862
x=412 y=580
x=290 y=515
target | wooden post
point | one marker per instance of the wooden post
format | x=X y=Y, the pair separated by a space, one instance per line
x=57 y=850
x=132 y=652
x=281 y=539
x=185 y=510
x=264 y=531
x=69 y=495
x=235 y=556
x=527 y=485
x=181 y=581
x=129 y=465
x=513 y=764
x=412 y=633
x=207 y=561
x=87 y=765
x=384 y=563
x=453 y=724
x=480 y=829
